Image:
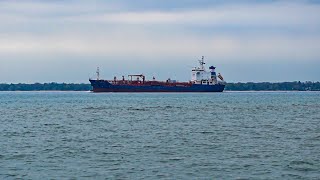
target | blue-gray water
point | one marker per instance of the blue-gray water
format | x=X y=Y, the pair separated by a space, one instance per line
x=230 y=135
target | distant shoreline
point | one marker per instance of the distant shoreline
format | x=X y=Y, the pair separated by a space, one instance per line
x=241 y=87
x=227 y=91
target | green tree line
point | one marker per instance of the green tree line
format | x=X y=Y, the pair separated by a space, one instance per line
x=279 y=86
x=45 y=87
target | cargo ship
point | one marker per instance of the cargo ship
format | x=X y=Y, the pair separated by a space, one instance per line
x=201 y=81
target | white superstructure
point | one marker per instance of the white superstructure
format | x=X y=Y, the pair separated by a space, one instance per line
x=199 y=75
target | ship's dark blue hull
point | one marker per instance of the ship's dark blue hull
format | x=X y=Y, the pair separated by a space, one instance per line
x=105 y=86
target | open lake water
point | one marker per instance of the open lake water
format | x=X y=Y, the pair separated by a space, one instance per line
x=230 y=135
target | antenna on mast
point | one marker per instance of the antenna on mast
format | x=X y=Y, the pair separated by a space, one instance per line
x=202 y=63
x=98 y=73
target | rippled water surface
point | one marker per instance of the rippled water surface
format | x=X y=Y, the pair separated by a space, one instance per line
x=230 y=135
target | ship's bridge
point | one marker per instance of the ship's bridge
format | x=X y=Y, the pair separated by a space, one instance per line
x=199 y=75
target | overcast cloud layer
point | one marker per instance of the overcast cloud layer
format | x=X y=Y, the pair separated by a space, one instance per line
x=248 y=40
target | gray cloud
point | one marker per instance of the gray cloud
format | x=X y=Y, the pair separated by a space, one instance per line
x=287 y=31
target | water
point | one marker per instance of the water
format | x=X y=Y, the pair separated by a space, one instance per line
x=230 y=135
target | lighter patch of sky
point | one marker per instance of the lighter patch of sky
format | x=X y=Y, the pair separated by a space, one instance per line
x=65 y=40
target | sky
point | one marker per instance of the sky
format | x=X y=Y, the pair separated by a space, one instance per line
x=247 y=40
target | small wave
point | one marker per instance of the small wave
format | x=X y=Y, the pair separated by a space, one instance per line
x=152 y=108
x=137 y=109
x=51 y=124
x=301 y=163
x=304 y=169
x=20 y=156
x=206 y=132
x=94 y=108
x=150 y=146
x=249 y=156
x=176 y=158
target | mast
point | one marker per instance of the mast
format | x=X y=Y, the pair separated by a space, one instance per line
x=98 y=73
x=202 y=63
